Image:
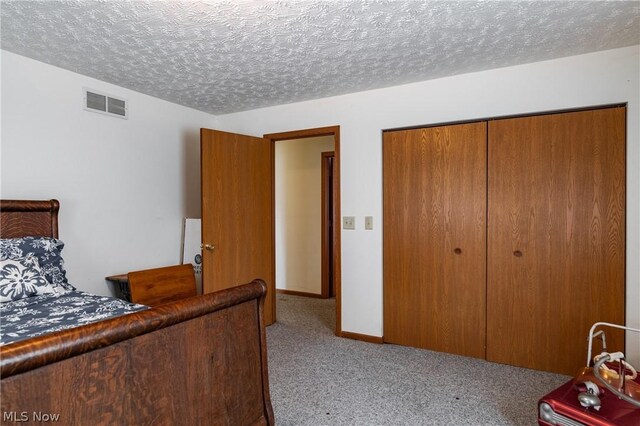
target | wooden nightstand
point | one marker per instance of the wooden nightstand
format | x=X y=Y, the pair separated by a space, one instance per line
x=156 y=286
x=121 y=283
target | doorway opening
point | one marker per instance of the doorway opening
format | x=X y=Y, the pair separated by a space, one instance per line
x=330 y=211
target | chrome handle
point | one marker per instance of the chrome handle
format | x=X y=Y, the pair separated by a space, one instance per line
x=209 y=247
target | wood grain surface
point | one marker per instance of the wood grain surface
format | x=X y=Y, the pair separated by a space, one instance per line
x=22 y=218
x=556 y=238
x=156 y=286
x=434 y=238
x=328 y=225
x=237 y=212
x=159 y=377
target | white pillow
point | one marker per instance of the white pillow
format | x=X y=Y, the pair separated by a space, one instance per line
x=21 y=278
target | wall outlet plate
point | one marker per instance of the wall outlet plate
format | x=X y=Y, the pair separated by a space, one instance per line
x=349 y=222
x=368 y=222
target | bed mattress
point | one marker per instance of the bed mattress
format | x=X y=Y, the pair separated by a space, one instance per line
x=34 y=316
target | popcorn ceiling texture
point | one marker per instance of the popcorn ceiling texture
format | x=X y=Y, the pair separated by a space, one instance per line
x=228 y=56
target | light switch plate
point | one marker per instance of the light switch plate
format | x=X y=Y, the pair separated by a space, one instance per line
x=349 y=222
x=368 y=222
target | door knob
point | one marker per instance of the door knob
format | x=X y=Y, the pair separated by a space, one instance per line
x=517 y=253
x=209 y=247
x=457 y=250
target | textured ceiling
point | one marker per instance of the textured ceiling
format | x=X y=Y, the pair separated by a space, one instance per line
x=227 y=56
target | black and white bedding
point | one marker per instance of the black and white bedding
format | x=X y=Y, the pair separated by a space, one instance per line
x=35 y=296
x=36 y=315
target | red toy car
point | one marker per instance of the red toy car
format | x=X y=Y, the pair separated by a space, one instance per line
x=606 y=392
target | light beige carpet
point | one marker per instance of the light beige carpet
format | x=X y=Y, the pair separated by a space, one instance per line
x=319 y=379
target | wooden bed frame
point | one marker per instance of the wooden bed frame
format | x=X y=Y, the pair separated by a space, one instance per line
x=201 y=360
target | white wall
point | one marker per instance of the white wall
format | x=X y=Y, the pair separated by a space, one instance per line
x=585 y=80
x=124 y=185
x=298 y=173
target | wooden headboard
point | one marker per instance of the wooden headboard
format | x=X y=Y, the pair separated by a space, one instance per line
x=29 y=218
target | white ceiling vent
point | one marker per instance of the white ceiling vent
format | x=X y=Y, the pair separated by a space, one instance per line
x=95 y=101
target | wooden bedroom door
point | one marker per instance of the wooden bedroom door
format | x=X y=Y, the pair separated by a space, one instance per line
x=556 y=235
x=237 y=212
x=434 y=238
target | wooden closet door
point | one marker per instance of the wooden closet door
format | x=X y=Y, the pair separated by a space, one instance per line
x=555 y=236
x=434 y=232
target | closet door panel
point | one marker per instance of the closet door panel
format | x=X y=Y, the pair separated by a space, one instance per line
x=434 y=238
x=555 y=236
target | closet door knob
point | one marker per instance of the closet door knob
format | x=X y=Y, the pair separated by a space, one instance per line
x=457 y=250
x=517 y=253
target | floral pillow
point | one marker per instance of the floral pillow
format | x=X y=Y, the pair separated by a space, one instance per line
x=48 y=252
x=22 y=278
